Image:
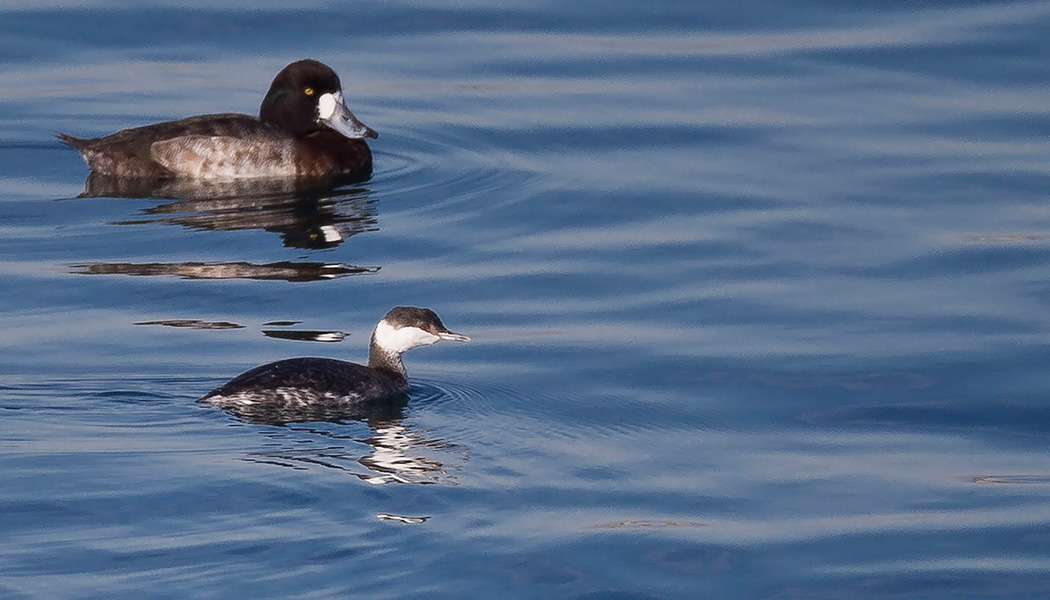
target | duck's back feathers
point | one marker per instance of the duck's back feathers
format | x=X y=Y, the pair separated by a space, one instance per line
x=223 y=146
x=130 y=152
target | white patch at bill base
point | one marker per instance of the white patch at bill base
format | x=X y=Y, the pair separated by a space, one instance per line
x=327 y=103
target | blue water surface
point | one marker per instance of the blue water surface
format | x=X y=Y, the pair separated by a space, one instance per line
x=758 y=294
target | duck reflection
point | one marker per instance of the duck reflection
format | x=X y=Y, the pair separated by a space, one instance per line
x=284 y=271
x=397 y=452
x=310 y=214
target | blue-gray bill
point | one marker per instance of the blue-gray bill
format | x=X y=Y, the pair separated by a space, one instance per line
x=333 y=112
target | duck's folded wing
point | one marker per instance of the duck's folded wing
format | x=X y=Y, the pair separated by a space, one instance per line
x=225 y=157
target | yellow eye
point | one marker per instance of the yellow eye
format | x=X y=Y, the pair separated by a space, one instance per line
x=309 y=91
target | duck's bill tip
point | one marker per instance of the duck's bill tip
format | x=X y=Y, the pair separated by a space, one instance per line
x=352 y=128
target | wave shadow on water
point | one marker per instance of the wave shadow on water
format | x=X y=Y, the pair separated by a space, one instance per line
x=192 y=324
x=296 y=335
x=306 y=335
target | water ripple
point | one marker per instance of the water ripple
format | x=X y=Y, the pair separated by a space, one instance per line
x=451 y=170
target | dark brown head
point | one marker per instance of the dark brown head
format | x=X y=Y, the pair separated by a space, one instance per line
x=305 y=97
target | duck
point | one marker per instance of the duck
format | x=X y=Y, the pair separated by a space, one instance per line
x=311 y=388
x=304 y=131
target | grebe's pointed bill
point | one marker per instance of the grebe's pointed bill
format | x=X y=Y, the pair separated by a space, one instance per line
x=333 y=112
x=453 y=337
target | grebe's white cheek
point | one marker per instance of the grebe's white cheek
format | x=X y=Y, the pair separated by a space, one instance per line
x=401 y=340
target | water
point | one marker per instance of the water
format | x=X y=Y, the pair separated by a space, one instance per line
x=758 y=294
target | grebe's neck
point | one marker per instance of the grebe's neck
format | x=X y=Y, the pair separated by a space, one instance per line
x=401 y=330
x=382 y=359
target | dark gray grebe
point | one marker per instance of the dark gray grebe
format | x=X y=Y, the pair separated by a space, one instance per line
x=318 y=388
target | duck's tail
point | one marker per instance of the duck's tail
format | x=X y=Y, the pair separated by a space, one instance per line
x=68 y=139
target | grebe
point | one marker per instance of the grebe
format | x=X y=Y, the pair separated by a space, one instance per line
x=318 y=388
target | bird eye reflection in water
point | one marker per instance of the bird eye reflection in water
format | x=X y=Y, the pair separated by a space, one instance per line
x=397 y=452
